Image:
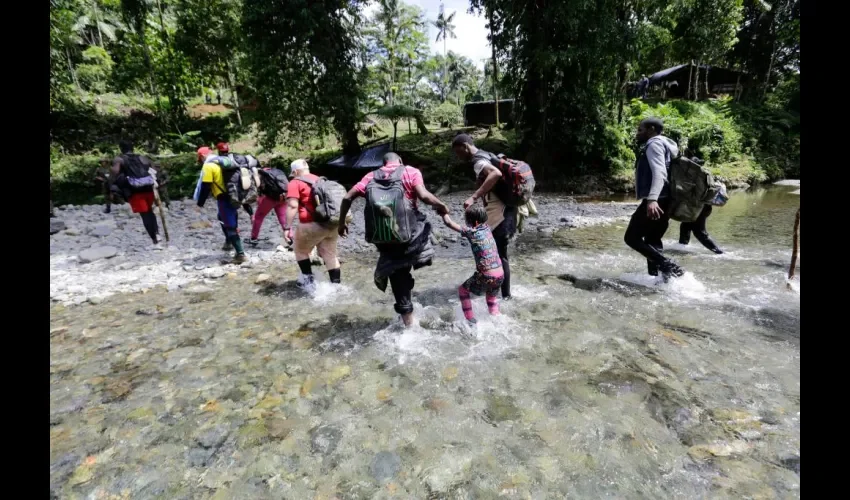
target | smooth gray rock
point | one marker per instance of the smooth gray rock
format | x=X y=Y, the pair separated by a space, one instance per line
x=56 y=226
x=213 y=437
x=324 y=439
x=97 y=253
x=385 y=465
x=102 y=230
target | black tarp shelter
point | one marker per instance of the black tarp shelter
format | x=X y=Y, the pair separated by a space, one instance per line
x=369 y=159
x=674 y=81
x=484 y=112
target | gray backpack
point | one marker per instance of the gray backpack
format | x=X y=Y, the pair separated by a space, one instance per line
x=390 y=216
x=327 y=196
x=692 y=187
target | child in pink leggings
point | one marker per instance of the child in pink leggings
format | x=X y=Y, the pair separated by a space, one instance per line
x=489 y=274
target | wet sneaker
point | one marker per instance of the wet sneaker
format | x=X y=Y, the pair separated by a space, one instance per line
x=717 y=251
x=671 y=269
x=107 y=210
x=507 y=297
x=227 y=247
x=240 y=258
x=472 y=322
x=252 y=241
x=156 y=246
x=306 y=282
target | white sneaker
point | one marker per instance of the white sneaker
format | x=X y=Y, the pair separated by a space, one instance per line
x=306 y=282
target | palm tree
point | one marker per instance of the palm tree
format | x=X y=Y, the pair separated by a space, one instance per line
x=445 y=29
x=93 y=21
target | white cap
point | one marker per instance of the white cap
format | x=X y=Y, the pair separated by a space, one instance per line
x=299 y=164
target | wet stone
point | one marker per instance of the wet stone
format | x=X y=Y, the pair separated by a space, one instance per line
x=324 y=439
x=97 y=253
x=56 y=226
x=199 y=457
x=502 y=408
x=790 y=461
x=385 y=465
x=213 y=437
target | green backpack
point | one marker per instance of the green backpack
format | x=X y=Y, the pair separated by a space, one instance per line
x=692 y=187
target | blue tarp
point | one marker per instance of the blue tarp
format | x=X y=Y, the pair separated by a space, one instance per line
x=369 y=158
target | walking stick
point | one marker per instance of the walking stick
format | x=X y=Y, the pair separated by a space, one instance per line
x=794 y=249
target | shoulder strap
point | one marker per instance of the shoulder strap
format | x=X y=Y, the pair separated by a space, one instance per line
x=304 y=180
x=398 y=173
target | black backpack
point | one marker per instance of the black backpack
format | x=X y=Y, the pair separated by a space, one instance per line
x=273 y=183
x=136 y=172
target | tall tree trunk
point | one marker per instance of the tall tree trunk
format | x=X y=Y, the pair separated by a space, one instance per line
x=395 y=133
x=621 y=81
x=97 y=22
x=234 y=96
x=495 y=70
x=71 y=69
x=696 y=82
x=690 y=78
x=707 y=90
x=445 y=70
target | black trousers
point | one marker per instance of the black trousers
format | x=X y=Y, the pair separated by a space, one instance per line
x=698 y=228
x=402 y=283
x=644 y=234
x=502 y=235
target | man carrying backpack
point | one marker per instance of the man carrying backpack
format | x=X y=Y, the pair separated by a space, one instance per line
x=649 y=222
x=395 y=226
x=224 y=150
x=309 y=234
x=213 y=183
x=132 y=174
x=272 y=190
x=492 y=190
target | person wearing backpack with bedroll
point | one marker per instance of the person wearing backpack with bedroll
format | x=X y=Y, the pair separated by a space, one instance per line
x=395 y=226
x=223 y=149
x=652 y=217
x=213 y=183
x=131 y=173
x=503 y=186
x=305 y=196
x=272 y=191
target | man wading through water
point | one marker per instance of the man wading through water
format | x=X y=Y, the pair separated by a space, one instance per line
x=131 y=173
x=395 y=226
x=212 y=183
x=649 y=222
x=501 y=218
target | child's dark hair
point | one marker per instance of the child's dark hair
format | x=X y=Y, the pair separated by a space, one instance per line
x=475 y=215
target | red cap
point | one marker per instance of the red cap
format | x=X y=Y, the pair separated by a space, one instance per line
x=223 y=147
x=203 y=152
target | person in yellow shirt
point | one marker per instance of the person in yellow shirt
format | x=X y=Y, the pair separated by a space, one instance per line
x=212 y=183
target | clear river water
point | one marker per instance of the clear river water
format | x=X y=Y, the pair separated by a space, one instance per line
x=600 y=384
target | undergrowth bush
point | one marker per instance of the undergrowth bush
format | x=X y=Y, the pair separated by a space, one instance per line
x=739 y=143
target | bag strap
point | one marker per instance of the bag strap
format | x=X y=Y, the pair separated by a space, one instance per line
x=305 y=180
x=398 y=173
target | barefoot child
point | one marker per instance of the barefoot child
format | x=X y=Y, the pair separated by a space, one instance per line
x=489 y=274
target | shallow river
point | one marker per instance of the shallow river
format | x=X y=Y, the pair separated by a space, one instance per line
x=604 y=385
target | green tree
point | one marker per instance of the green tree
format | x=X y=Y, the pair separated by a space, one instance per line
x=397 y=39
x=445 y=29
x=96 y=69
x=394 y=114
x=210 y=35
x=301 y=60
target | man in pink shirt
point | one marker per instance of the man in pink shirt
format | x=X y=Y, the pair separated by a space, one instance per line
x=396 y=261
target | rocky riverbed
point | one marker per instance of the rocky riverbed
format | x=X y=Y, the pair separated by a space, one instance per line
x=94 y=255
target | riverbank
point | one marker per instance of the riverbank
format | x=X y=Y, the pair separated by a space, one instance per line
x=98 y=255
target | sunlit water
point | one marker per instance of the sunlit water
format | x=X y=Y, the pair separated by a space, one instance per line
x=629 y=388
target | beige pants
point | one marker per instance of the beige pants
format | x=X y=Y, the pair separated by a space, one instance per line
x=311 y=235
